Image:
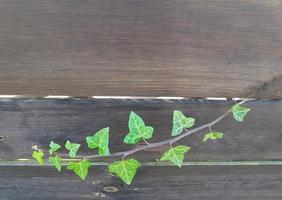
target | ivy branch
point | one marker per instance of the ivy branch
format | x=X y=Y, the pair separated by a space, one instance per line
x=138 y=131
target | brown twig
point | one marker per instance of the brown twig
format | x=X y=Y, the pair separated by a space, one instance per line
x=165 y=142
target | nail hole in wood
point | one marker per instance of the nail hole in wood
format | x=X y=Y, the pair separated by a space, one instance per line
x=2 y=138
x=95 y=182
x=110 y=189
x=99 y=194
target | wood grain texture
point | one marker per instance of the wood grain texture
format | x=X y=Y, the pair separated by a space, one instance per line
x=160 y=183
x=141 y=48
x=28 y=122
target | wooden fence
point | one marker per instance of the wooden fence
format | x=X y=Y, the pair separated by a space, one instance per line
x=145 y=48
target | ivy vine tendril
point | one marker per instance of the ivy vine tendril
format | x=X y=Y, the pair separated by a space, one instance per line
x=126 y=168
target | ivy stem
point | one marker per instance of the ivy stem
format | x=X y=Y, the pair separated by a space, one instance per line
x=169 y=141
x=123 y=157
x=146 y=142
x=210 y=129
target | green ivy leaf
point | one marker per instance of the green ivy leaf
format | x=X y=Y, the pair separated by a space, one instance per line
x=213 y=136
x=99 y=140
x=180 y=121
x=38 y=156
x=175 y=154
x=73 y=148
x=57 y=162
x=125 y=169
x=137 y=129
x=239 y=112
x=80 y=168
x=53 y=147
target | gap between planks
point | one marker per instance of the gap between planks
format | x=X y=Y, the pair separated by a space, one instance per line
x=118 y=97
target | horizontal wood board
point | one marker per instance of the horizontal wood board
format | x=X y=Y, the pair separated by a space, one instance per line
x=160 y=183
x=190 y=48
x=28 y=122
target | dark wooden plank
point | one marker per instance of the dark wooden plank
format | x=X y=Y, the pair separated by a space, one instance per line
x=141 y=48
x=28 y=122
x=159 y=183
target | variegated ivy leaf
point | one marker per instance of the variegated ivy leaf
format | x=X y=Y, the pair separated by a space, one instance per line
x=57 y=162
x=239 y=112
x=80 y=168
x=38 y=156
x=125 y=169
x=137 y=129
x=175 y=154
x=73 y=148
x=53 y=147
x=180 y=121
x=213 y=136
x=99 y=140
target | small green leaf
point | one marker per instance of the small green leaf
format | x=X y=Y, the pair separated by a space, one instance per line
x=53 y=147
x=72 y=147
x=239 y=112
x=137 y=129
x=125 y=169
x=57 y=162
x=132 y=138
x=80 y=168
x=99 y=140
x=213 y=136
x=180 y=121
x=175 y=154
x=38 y=156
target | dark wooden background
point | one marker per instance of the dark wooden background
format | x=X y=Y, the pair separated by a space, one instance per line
x=178 y=48
x=191 y=48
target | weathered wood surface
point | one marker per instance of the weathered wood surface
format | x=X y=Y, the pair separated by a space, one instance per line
x=28 y=122
x=159 y=183
x=141 y=48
